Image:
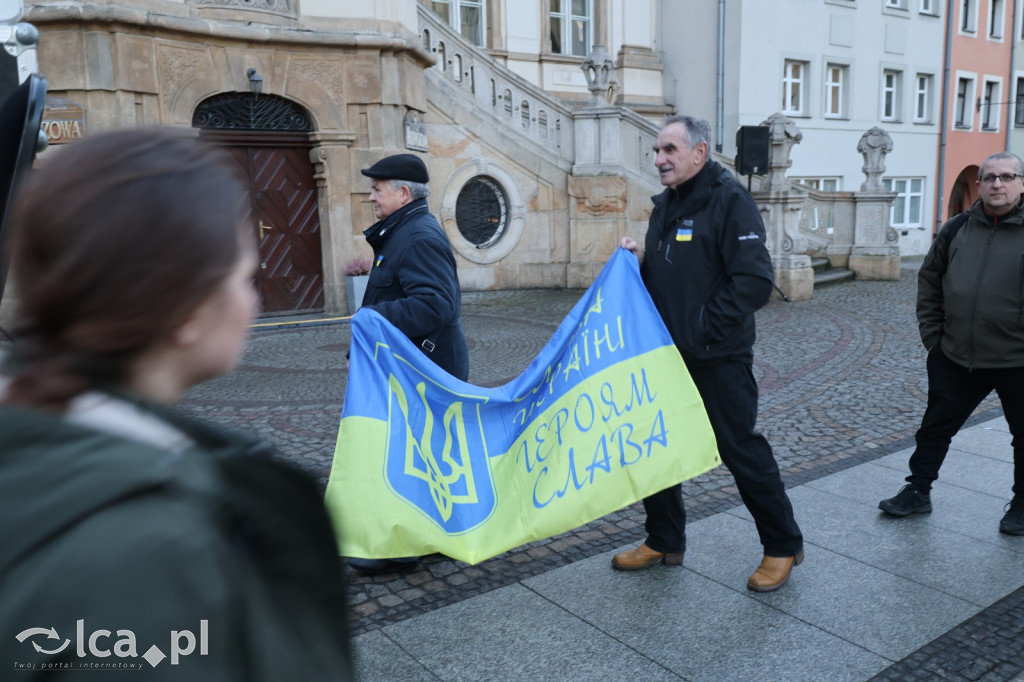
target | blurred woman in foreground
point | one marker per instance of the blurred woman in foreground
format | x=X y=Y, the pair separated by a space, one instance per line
x=132 y=532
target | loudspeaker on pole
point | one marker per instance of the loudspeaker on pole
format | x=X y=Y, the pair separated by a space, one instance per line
x=752 y=150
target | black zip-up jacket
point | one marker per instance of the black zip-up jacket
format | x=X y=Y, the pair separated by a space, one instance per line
x=414 y=284
x=707 y=267
x=970 y=290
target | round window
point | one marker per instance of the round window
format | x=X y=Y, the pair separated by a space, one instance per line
x=481 y=212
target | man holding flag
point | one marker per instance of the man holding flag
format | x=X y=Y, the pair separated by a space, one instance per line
x=413 y=283
x=707 y=269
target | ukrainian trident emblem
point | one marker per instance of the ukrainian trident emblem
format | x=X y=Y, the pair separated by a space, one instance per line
x=437 y=454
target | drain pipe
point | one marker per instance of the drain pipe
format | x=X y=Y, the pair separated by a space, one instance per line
x=1012 y=103
x=720 y=98
x=944 y=117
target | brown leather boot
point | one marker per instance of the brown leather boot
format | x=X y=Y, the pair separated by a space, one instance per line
x=643 y=557
x=773 y=572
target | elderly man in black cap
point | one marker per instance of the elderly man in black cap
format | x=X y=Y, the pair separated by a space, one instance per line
x=413 y=282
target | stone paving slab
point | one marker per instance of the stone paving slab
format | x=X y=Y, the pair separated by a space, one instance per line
x=511 y=633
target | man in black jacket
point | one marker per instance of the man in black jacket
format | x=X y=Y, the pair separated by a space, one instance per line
x=413 y=282
x=970 y=311
x=707 y=268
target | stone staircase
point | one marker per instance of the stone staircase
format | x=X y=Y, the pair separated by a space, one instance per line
x=826 y=274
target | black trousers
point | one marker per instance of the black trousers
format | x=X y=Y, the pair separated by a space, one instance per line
x=953 y=394
x=729 y=392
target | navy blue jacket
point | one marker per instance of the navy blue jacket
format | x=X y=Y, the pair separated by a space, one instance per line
x=707 y=267
x=415 y=286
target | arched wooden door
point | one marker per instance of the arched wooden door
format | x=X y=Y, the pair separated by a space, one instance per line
x=272 y=153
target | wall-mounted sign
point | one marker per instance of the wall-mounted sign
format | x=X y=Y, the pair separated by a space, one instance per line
x=63 y=120
x=415 y=132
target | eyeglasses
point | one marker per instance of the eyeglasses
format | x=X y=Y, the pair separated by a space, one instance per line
x=1006 y=178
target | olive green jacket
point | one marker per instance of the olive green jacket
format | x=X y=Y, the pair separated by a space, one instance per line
x=133 y=533
x=971 y=290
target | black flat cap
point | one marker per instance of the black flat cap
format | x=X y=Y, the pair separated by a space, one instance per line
x=399 y=167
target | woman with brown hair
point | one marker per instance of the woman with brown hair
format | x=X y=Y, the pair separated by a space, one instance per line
x=130 y=532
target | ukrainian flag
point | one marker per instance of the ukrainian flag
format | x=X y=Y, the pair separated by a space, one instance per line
x=684 y=234
x=605 y=415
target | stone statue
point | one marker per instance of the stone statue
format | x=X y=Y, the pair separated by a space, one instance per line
x=874 y=145
x=783 y=133
x=599 y=70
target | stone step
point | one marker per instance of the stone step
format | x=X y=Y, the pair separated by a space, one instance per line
x=819 y=263
x=832 y=276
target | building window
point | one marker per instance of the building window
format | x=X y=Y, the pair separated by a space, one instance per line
x=964 y=93
x=923 y=99
x=1018 y=111
x=906 y=208
x=835 y=90
x=928 y=7
x=995 y=20
x=793 y=76
x=968 y=18
x=896 y=4
x=990 y=106
x=891 y=87
x=826 y=184
x=481 y=212
x=465 y=16
x=570 y=23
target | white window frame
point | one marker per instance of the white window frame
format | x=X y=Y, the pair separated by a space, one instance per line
x=967 y=21
x=964 y=120
x=455 y=8
x=840 y=87
x=896 y=4
x=924 y=97
x=568 y=21
x=892 y=94
x=906 y=192
x=904 y=199
x=991 y=104
x=929 y=7
x=789 y=82
x=822 y=183
x=996 y=20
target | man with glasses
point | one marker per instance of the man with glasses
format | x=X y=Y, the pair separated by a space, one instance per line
x=970 y=310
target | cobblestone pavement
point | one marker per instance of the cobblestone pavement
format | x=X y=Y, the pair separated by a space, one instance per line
x=842 y=382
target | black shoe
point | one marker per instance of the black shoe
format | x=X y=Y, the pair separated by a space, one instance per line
x=1013 y=520
x=378 y=566
x=909 y=500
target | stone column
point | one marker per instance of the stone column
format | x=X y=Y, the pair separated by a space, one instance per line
x=781 y=211
x=331 y=163
x=876 y=252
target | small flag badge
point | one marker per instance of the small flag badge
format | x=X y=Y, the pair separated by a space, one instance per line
x=684 y=235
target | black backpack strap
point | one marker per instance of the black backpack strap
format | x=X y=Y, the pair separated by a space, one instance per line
x=954 y=226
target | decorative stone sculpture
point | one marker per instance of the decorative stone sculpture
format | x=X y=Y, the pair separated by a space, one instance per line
x=874 y=145
x=783 y=133
x=599 y=70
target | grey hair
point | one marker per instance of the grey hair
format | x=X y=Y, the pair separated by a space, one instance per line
x=999 y=156
x=417 y=190
x=697 y=129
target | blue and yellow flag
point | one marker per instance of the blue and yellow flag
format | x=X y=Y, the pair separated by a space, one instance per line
x=605 y=415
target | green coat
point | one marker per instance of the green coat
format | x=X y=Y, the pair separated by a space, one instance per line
x=970 y=293
x=143 y=537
